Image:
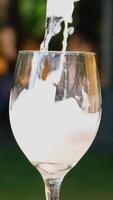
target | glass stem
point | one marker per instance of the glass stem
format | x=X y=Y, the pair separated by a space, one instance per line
x=52 y=188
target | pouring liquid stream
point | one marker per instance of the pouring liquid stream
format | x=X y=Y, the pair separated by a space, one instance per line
x=55 y=17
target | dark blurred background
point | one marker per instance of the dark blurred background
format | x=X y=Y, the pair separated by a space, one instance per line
x=22 y=27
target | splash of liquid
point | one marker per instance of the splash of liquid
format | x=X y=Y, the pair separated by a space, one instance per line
x=56 y=14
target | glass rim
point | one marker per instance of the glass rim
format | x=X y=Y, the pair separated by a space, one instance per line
x=59 y=52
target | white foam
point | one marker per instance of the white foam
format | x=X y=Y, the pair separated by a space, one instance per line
x=49 y=131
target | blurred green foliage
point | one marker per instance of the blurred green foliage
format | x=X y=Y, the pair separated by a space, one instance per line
x=33 y=14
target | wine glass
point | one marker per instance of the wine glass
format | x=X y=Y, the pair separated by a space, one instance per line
x=55 y=111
